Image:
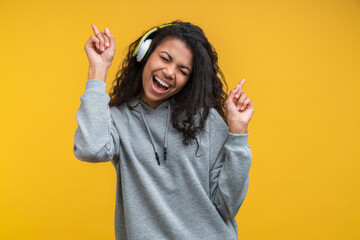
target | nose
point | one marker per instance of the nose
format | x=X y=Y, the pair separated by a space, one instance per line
x=170 y=71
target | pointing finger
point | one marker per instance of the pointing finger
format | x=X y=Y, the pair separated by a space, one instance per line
x=239 y=87
x=96 y=31
x=233 y=92
x=242 y=83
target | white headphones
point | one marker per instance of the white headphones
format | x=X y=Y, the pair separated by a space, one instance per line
x=143 y=46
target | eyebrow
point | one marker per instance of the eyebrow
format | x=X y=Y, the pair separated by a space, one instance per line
x=181 y=66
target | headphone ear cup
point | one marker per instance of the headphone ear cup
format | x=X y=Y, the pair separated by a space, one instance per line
x=145 y=57
x=143 y=48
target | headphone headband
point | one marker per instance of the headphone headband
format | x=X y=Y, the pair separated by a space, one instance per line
x=144 y=44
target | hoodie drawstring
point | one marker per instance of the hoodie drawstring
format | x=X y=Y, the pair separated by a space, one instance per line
x=167 y=131
x=151 y=137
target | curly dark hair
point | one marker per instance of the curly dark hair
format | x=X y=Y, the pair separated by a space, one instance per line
x=203 y=90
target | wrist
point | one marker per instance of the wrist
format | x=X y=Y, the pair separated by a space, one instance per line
x=238 y=128
x=98 y=72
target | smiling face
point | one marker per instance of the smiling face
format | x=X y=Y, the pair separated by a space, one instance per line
x=166 y=71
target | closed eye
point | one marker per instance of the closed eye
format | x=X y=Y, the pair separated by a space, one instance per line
x=184 y=73
x=181 y=66
x=165 y=59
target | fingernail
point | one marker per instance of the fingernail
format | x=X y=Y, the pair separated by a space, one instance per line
x=107 y=44
x=238 y=107
x=242 y=107
x=102 y=48
x=106 y=29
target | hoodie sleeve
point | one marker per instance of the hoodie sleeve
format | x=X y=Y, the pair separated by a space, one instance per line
x=230 y=158
x=96 y=138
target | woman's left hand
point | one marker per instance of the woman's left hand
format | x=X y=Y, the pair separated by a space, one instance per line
x=239 y=110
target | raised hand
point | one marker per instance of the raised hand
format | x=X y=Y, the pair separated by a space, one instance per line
x=239 y=110
x=100 y=48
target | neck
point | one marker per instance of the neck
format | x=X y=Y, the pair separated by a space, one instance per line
x=154 y=105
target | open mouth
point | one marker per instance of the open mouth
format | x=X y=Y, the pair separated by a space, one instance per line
x=159 y=86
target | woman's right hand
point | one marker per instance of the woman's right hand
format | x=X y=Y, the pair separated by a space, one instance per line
x=100 y=48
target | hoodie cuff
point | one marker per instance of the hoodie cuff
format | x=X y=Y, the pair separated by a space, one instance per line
x=96 y=84
x=238 y=139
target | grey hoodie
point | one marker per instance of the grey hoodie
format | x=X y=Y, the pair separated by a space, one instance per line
x=187 y=196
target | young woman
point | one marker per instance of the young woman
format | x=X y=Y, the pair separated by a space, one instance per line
x=178 y=143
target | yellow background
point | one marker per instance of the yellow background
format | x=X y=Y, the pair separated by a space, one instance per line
x=302 y=69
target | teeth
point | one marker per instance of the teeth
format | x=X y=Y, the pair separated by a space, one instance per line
x=161 y=82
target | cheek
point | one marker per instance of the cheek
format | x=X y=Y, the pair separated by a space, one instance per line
x=145 y=74
x=182 y=83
